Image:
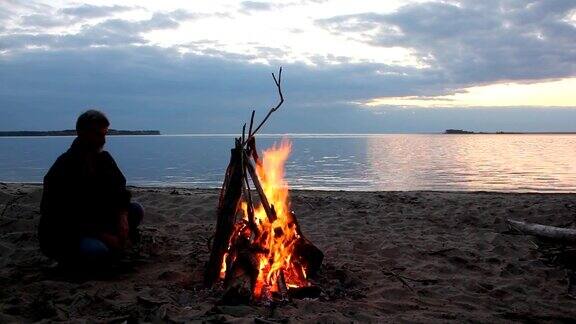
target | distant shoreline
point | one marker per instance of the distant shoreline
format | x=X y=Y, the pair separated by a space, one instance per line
x=464 y=132
x=71 y=132
x=264 y=135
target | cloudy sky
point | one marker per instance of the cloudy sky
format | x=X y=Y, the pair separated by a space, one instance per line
x=357 y=66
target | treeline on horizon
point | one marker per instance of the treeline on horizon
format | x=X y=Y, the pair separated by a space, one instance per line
x=72 y=132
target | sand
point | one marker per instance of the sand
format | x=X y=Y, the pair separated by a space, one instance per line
x=389 y=257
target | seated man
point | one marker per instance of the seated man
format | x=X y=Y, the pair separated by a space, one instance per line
x=87 y=216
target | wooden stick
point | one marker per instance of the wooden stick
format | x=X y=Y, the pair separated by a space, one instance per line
x=251 y=122
x=278 y=83
x=282 y=287
x=543 y=231
x=226 y=215
x=253 y=152
x=397 y=276
x=250 y=209
x=246 y=191
x=263 y=199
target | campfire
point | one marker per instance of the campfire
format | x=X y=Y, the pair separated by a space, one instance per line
x=259 y=252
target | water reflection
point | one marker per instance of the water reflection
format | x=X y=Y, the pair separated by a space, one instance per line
x=343 y=162
x=480 y=162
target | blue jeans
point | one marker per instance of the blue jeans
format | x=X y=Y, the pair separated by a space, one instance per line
x=91 y=248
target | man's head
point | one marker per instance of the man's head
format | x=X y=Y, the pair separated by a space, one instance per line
x=92 y=127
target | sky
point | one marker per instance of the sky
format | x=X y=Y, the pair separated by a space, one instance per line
x=357 y=66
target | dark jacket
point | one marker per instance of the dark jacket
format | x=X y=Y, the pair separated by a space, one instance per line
x=83 y=195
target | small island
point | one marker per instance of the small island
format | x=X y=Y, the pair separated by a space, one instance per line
x=457 y=131
x=72 y=132
x=460 y=131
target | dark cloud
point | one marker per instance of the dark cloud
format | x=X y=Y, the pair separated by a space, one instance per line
x=92 y=11
x=475 y=42
x=174 y=92
x=47 y=17
x=35 y=21
x=110 y=32
x=121 y=26
x=310 y=85
x=92 y=36
x=271 y=55
x=148 y=87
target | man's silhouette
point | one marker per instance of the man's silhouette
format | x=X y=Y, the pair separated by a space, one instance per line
x=87 y=216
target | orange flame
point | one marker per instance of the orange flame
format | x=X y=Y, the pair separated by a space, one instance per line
x=276 y=239
x=280 y=236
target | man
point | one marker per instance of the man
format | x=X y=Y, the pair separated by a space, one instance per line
x=87 y=216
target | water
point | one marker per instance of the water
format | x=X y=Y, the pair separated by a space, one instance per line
x=517 y=163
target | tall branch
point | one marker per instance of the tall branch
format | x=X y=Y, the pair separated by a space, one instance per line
x=278 y=82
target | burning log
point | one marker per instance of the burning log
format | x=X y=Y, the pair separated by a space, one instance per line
x=309 y=255
x=308 y=252
x=227 y=206
x=270 y=212
x=260 y=249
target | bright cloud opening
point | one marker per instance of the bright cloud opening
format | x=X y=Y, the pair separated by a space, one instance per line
x=559 y=93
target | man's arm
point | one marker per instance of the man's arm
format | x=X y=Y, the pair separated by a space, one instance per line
x=117 y=239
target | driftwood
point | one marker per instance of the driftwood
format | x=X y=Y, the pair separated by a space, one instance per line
x=556 y=244
x=551 y=233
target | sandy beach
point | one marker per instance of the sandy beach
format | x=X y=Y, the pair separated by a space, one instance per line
x=389 y=256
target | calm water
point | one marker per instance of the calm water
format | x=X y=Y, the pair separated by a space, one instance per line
x=333 y=162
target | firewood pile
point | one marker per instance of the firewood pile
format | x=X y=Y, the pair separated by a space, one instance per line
x=259 y=253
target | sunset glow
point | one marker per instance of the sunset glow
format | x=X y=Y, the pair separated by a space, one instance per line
x=560 y=93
